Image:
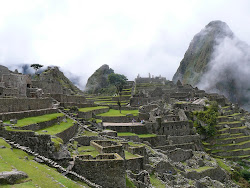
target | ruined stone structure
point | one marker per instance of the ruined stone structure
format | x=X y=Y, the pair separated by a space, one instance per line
x=13 y=84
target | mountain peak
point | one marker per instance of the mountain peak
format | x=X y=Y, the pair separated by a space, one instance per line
x=196 y=58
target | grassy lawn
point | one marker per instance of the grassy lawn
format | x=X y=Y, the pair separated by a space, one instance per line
x=91 y=108
x=126 y=134
x=199 y=169
x=135 y=145
x=129 y=155
x=139 y=135
x=156 y=182
x=146 y=135
x=39 y=175
x=88 y=150
x=113 y=112
x=57 y=128
x=37 y=119
x=223 y=165
x=88 y=133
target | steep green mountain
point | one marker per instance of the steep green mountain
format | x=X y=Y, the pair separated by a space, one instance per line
x=196 y=59
x=99 y=79
x=217 y=61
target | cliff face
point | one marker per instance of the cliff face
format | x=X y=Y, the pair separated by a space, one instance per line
x=196 y=59
x=217 y=61
x=99 y=79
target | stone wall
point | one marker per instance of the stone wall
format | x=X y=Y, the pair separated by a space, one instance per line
x=79 y=105
x=106 y=172
x=138 y=129
x=158 y=140
x=89 y=114
x=41 y=144
x=25 y=114
x=107 y=146
x=179 y=155
x=52 y=87
x=23 y=104
x=85 y=140
x=118 y=119
x=175 y=128
x=69 y=98
x=69 y=133
x=214 y=173
x=135 y=164
x=18 y=81
x=189 y=107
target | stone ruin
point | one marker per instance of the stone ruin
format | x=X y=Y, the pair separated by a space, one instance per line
x=171 y=154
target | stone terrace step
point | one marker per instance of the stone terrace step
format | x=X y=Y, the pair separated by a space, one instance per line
x=174 y=146
x=232 y=139
x=224 y=119
x=229 y=112
x=226 y=147
x=233 y=130
x=235 y=153
x=227 y=135
x=232 y=124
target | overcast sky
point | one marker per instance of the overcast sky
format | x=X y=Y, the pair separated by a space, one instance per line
x=131 y=36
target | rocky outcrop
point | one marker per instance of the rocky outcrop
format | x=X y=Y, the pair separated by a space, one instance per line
x=99 y=79
x=11 y=177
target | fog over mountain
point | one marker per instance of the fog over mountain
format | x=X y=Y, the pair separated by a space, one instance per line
x=131 y=37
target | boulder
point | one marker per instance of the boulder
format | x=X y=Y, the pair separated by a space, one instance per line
x=10 y=177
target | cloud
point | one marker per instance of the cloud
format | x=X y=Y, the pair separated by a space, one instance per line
x=228 y=71
x=131 y=36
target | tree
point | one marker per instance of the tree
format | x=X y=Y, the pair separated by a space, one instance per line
x=36 y=67
x=119 y=81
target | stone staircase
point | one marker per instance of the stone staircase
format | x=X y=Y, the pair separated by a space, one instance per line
x=232 y=140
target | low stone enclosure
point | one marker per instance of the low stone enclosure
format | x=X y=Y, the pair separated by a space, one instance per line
x=107 y=170
x=111 y=161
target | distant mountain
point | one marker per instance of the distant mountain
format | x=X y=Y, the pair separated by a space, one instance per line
x=99 y=79
x=217 y=61
x=52 y=80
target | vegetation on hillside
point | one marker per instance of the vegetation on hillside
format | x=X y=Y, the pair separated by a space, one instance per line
x=206 y=120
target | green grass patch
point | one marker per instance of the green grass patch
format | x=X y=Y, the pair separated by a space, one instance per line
x=130 y=155
x=88 y=133
x=57 y=142
x=39 y=175
x=113 y=112
x=37 y=119
x=146 y=135
x=92 y=108
x=199 y=169
x=57 y=128
x=126 y=134
x=156 y=182
x=129 y=183
x=88 y=150
x=223 y=165
x=135 y=145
